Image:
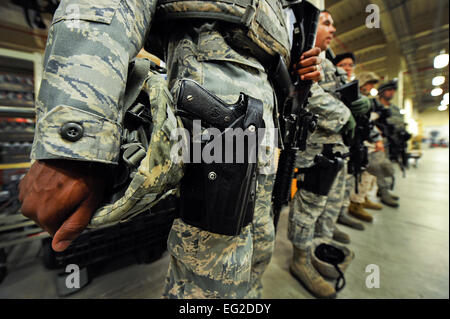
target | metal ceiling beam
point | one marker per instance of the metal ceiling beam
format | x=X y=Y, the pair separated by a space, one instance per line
x=365 y=42
x=331 y=3
x=400 y=20
x=368 y=56
x=351 y=24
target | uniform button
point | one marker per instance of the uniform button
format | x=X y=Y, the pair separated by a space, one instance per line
x=71 y=131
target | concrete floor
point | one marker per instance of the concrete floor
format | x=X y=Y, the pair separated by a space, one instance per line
x=409 y=244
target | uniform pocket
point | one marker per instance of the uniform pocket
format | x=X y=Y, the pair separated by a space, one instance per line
x=213 y=47
x=101 y=11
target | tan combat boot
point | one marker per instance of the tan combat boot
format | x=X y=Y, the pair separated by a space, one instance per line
x=387 y=199
x=394 y=197
x=371 y=205
x=357 y=210
x=340 y=236
x=303 y=270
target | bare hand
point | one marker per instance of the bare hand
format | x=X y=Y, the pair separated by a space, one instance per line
x=379 y=146
x=308 y=67
x=61 y=196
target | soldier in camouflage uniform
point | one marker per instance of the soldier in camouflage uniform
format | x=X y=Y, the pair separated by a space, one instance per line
x=346 y=61
x=360 y=201
x=80 y=115
x=312 y=215
x=386 y=92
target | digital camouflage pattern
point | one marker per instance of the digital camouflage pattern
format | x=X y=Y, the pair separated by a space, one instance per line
x=207 y=265
x=263 y=233
x=85 y=72
x=157 y=175
x=86 y=83
x=211 y=62
x=265 y=23
x=214 y=64
x=313 y=215
x=326 y=222
x=305 y=209
x=332 y=116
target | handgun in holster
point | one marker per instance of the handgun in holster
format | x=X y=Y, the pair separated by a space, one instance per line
x=319 y=178
x=219 y=196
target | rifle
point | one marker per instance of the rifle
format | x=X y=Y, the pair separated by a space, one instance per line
x=358 y=151
x=292 y=95
x=397 y=143
x=396 y=140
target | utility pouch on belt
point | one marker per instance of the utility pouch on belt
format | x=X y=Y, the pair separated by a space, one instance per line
x=218 y=194
x=145 y=173
x=319 y=178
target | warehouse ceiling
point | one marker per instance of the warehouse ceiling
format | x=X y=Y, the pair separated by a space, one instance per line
x=412 y=33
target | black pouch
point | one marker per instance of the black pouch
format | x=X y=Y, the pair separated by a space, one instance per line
x=319 y=178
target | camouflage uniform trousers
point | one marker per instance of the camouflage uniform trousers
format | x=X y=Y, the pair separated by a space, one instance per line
x=208 y=265
x=381 y=168
x=364 y=186
x=313 y=215
x=348 y=192
x=327 y=221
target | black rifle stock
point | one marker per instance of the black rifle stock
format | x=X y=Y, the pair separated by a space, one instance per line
x=292 y=96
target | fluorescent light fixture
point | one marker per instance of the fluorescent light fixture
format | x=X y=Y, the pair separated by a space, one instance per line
x=445 y=98
x=442 y=107
x=438 y=80
x=436 y=92
x=441 y=61
x=374 y=92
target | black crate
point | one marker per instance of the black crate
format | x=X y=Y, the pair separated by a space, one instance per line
x=144 y=235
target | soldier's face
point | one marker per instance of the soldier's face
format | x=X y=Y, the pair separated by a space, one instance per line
x=366 y=88
x=348 y=65
x=388 y=94
x=325 y=31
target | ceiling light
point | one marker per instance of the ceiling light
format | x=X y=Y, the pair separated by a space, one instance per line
x=445 y=98
x=442 y=107
x=374 y=92
x=441 y=61
x=438 y=80
x=436 y=92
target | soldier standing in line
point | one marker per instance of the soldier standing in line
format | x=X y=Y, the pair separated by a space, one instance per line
x=316 y=206
x=80 y=120
x=347 y=62
x=394 y=123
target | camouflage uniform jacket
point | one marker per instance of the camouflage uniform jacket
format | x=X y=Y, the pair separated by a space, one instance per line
x=332 y=113
x=86 y=65
x=396 y=118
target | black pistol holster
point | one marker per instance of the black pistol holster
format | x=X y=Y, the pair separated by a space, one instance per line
x=319 y=178
x=219 y=196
